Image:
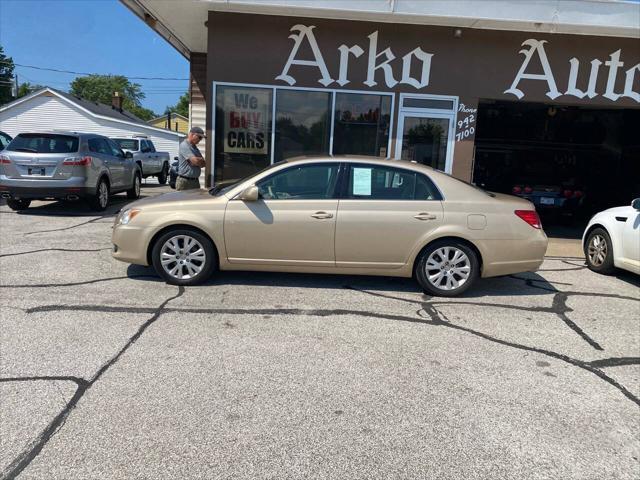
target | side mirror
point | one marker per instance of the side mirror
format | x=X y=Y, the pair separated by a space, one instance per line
x=250 y=194
x=636 y=203
x=128 y=154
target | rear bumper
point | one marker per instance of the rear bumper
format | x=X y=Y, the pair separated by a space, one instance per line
x=43 y=189
x=514 y=256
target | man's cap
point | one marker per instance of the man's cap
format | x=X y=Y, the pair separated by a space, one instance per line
x=198 y=131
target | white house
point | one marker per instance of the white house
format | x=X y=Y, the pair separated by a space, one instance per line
x=50 y=109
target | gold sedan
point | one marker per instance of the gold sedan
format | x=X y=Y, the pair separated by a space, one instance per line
x=352 y=215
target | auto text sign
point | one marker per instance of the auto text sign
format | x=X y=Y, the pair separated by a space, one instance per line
x=246 y=121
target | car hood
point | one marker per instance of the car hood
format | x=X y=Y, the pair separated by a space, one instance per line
x=174 y=198
x=617 y=210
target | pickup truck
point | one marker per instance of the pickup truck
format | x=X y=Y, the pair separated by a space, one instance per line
x=152 y=163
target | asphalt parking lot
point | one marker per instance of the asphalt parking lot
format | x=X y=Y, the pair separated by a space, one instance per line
x=108 y=373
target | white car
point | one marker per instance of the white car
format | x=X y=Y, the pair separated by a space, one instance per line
x=612 y=239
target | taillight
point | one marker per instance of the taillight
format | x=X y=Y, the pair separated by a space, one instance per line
x=528 y=189
x=567 y=193
x=577 y=194
x=529 y=216
x=80 y=161
x=4 y=159
x=517 y=189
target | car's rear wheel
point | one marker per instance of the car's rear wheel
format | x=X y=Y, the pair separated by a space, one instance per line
x=134 y=191
x=162 y=176
x=447 y=268
x=18 y=204
x=599 y=252
x=184 y=257
x=100 y=200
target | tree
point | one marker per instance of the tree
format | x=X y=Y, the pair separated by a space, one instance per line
x=26 y=88
x=6 y=77
x=181 y=107
x=100 y=88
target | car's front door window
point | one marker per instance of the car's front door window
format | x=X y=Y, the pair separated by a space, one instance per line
x=305 y=182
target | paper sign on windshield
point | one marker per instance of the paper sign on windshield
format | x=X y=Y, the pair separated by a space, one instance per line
x=362 y=181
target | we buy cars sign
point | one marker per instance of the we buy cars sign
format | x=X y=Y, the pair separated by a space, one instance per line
x=246 y=121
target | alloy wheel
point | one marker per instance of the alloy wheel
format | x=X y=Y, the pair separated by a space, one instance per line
x=448 y=268
x=103 y=194
x=597 y=250
x=182 y=257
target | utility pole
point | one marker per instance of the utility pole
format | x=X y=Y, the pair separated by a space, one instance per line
x=14 y=87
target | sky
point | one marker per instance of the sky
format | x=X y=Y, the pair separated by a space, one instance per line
x=93 y=36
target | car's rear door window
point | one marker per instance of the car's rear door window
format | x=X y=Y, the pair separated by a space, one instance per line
x=304 y=182
x=44 y=143
x=99 y=145
x=378 y=182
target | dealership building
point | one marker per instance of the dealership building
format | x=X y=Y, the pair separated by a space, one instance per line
x=500 y=93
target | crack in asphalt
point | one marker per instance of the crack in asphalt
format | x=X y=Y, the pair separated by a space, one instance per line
x=427 y=314
x=615 y=362
x=55 y=250
x=75 y=284
x=23 y=460
x=63 y=229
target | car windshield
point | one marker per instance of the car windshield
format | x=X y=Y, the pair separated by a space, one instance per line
x=44 y=143
x=126 y=143
x=223 y=187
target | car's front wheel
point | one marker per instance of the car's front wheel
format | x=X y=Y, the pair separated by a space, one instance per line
x=18 y=204
x=599 y=252
x=134 y=191
x=184 y=257
x=447 y=268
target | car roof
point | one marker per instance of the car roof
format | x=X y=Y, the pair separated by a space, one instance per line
x=387 y=162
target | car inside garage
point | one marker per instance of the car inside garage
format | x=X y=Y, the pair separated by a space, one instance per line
x=570 y=161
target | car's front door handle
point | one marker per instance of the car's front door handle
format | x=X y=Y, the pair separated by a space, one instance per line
x=321 y=215
x=424 y=216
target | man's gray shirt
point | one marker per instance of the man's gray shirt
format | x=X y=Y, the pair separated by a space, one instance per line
x=185 y=152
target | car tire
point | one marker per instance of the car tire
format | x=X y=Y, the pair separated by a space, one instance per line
x=18 y=204
x=447 y=268
x=175 y=261
x=162 y=176
x=100 y=200
x=134 y=192
x=598 y=252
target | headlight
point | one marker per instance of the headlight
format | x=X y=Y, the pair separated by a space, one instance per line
x=128 y=215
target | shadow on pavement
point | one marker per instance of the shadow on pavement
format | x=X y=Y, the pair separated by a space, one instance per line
x=499 y=286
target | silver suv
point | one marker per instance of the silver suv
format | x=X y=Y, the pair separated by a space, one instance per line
x=66 y=166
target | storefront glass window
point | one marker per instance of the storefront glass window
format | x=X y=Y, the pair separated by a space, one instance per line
x=302 y=123
x=361 y=125
x=243 y=131
x=424 y=140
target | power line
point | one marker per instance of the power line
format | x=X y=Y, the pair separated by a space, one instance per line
x=86 y=73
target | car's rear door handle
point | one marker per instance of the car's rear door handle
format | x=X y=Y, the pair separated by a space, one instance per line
x=424 y=216
x=321 y=215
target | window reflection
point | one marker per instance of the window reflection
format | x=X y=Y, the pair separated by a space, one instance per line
x=302 y=123
x=361 y=125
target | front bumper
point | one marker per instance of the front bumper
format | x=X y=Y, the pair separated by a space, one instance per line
x=130 y=244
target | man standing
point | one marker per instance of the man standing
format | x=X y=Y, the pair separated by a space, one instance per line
x=190 y=161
